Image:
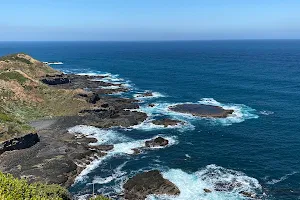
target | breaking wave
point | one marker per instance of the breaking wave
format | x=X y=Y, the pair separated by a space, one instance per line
x=283 y=178
x=219 y=183
x=266 y=112
x=122 y=145
x=240 y=114
x=139 y=96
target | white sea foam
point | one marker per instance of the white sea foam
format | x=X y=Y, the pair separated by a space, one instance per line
x=266 y=112
x=139 y=96
x=187 y=155
x=53 y=63
x=103 y=136
x=88 y=74
x=283 y=178
x=122 y=144
x=117 y=174
x=147 y=125
x=240 y=114
x=111 y=78
x=111 y=87
x=192 y=185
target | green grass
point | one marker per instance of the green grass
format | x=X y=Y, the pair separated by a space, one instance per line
x=13 y=75
x=5 y=117
x=19 y=189
x=14 y=57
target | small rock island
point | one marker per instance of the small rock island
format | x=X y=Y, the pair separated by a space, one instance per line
x=202 y=110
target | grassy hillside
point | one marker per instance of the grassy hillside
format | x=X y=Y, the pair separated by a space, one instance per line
x=24 y=98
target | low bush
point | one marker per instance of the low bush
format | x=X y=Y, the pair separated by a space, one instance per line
x=19 y=189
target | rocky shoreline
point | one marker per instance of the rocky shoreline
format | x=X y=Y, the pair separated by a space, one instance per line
x=53 y=155
x=58 y=156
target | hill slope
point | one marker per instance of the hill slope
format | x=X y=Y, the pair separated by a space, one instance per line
x=24 y=98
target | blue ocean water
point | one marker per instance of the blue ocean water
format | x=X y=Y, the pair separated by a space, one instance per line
x=258 y=147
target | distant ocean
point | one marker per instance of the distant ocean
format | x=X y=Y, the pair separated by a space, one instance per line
x=259 y=146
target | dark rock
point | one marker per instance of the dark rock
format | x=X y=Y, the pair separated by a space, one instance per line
x=247 y=194
x=227 y=186
x=86 y=140
x=57 y=80
x=136 y=151
x=83 y=95
x=93 y=99
x=113 y=117
x=23 y=142
x=159 y=141
x=146 y=94
x=105 y=105
x=202 y=110
x=207 y=190
x=151 y=105
x=147 y=183
x=166 y=122
x=103 y=147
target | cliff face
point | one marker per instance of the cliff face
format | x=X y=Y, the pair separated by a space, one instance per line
x=23 y=97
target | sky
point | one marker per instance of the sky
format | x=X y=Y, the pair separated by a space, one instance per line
x=136 y=20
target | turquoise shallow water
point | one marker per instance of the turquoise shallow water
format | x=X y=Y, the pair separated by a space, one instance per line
x=259 y=146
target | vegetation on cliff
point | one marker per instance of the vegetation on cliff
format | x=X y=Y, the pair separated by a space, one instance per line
x=24 y=98
x=17 y=189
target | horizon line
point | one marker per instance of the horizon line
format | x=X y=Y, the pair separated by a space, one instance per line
x=145 y=40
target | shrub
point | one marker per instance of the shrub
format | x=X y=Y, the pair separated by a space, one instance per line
x=99 y=198
x=19 y=189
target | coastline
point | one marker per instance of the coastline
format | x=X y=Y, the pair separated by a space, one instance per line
x=60 y=156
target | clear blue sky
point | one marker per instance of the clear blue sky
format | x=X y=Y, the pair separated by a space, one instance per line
x=149 y=19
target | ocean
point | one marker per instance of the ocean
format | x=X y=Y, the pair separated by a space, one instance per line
x=256 y=149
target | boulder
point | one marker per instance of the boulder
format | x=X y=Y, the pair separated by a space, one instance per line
x=23 y=142
x=147 y=183
x=136 y=151
x=207 y=190
x=157 y=142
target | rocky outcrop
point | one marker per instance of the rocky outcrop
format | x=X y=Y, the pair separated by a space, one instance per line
x=202 y=110
x=146 y=94
x=103 y=147
x=157 y=142
x=56 y=80
x=93 y=99
x=166 y=122
x=147 y=183
x=23 y=142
